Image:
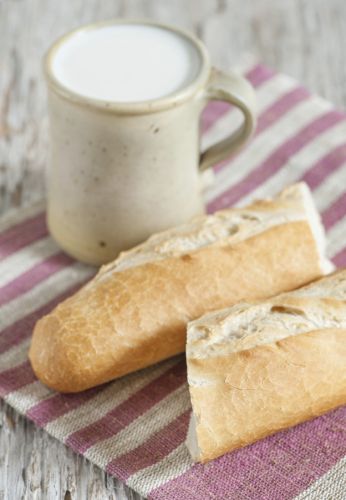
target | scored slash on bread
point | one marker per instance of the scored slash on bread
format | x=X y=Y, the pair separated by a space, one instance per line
x=134 y=312
x=256 y=368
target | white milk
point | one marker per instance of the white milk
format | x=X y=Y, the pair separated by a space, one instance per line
x=126 y=63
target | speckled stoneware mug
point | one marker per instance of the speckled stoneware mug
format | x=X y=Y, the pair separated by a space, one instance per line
x=120 y=171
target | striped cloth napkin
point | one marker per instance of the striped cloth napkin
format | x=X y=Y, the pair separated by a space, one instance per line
x=135 y=427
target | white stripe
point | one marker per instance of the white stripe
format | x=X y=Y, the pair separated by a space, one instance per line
x=300 y=163
x=18 y=263
x=142 y=429
x=172 y=466
x=24 y=398
x=43 y=293
x=265 y=143
x=14 y=356
x=331 y=188
x=337 y=238
x=96 y=408
x=331 y=485
x=267 y=94
x=18 y=215
x=207 y=178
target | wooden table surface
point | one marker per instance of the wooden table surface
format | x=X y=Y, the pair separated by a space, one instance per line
x=304 y=38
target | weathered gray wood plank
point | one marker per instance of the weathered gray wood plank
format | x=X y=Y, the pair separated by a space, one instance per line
x=304 y=38
x=35 y=466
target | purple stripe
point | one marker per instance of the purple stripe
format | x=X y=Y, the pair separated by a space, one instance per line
x=340 y=258
x=325 y=166
x=22 y=234
x=213 y=112
x=259 y=74
x=49 y=409
x=22 y=329
x=125 y=413
x=152 y=451
x=270 y=115
x=275 y=468
x=335 y=212
x=276 y=160
x=34 y=276
x=15 y=378
x=286 y=102
x=215 y=109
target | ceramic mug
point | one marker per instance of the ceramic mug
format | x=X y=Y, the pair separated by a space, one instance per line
x=121 y=171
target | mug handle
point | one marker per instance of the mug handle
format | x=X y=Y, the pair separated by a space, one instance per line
x=236 y=90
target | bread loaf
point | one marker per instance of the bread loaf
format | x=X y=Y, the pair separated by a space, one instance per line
x=134 y=312
x=256 y=368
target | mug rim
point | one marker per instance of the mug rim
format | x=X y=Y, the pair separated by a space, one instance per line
x=131 y=107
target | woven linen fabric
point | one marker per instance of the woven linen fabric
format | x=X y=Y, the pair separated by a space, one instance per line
x=135 y=427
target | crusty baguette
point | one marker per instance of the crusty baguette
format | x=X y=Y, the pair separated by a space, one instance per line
x=254 y=369
x=134 y=312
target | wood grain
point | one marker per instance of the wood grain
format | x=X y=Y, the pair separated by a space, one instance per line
x=305 y=38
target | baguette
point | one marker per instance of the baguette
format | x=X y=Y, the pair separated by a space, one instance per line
x=254 y=369
x=134 y=312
